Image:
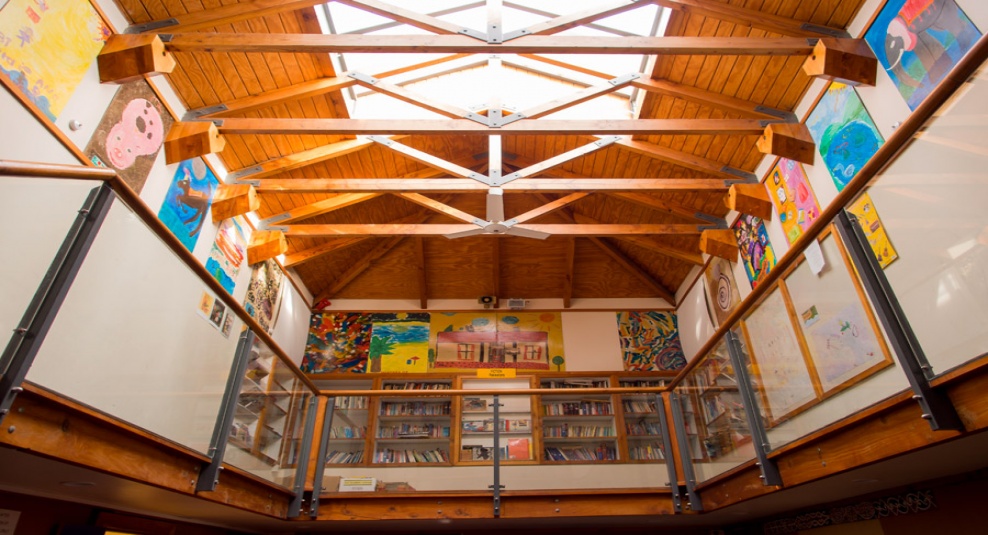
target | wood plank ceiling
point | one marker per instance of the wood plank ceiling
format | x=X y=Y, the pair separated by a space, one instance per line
x=353 y=239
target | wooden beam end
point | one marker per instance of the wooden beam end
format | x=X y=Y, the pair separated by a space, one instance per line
x=720 y=243
x=788 y=140
x=751 y=199
x=266 y=244
x=848 y=61
x=128 y=57
x=231 y=200
x=192 y=139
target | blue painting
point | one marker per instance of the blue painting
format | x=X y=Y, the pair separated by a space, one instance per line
x=919 y=42
x=650 y=341
x=757 y=254
x=187 y=201
x=845 y=134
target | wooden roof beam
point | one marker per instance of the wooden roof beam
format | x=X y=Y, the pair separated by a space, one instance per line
x=221 y=16
x=429 y=160
x=325 y=206
x=437 y=127
x=466 y=185
x=420 y=266
x=410 y=97
x=449 y=44
x=569 y=270
x=650 y=202
x=685 y=159
x=442 y=229
x=549 y=207
x=648 y=243
x=752 y=18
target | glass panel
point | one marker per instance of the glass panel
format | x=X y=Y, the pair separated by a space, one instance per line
x=132 y=338
x=931 y=200
x=348 y=434
x=717 y=427
x=642 y=425
x=578 y=427
x=47 y=207
x=266 y=436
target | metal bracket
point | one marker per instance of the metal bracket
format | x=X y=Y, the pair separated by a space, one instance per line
x=165 y=37
x=387 y=142
x=608 y=140
x=30 y=333
x=280 y=228
x=477 y=118
x=831 y=32
x=236 y=175
x=623 y=79
x=515 y=34
x=195 y=114
x=153 y=25
x=744 y=177
x=716 y=223
x=512 y=118
x=361 y=77
x=935 y=404
x=784 y=116
x=275 y=219
x=470 y=32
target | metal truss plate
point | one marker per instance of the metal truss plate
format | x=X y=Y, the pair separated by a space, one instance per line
x=715 y=222
x=624 y=79
x=237 y=175
x=515 y=34
x=192 y=115
x=832 y=32
x=470 y=32
x=786 y=116
x=153 y=25
x=275 y=219
x=282 y=228
x=605 y=141
x=361 y=77
x=382 y=140
x=744 y=177
x=477 y=118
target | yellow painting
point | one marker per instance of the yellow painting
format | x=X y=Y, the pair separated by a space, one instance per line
x=47 y=46
x=516 y=340
x=864 y=210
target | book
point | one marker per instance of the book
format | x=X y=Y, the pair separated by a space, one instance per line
x=519 y=449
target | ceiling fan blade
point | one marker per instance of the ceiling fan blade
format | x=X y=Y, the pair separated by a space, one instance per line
x=465 y=233
x=495 y=205
x=527 y=233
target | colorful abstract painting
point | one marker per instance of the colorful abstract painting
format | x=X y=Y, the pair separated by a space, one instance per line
x=400 y=342
x=47 y=47
x=756 y=251
x=873 y=229
x=187 y=201
x=793 y=198
x=228 y=253
x=845 y=134
x=520 y=340
x=129 y=136
x=918 y=42
x=263 y=299
x=722 y=290
x=339 y=342
x=650 y=341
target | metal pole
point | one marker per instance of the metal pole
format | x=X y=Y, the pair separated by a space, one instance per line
x=30 y=333
x=327 y=424
x=302 y=464
x=935 y=404
x=209 y=477
x=660 y=408
x=684 y=452
x=759 y=437
x=497 y=456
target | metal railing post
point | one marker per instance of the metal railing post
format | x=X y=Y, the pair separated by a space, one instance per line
x=685 y=456
x=497 y=456
x=327 y=424
x=660 y=408
x=302 y=464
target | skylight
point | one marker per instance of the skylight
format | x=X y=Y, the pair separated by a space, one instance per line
x=475 y=81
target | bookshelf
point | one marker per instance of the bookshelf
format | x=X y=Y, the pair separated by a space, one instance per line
x=351 y=419
x=641 y=422
x=717 y=407
x=575 y=427
x=477 y=425
x=413 y=430
x=265 y=408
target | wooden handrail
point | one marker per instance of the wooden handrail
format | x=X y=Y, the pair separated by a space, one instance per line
x=137 y=205
x=494 y=391
x=868 y=173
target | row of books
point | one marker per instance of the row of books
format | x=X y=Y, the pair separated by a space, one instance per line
x=414 y=408
x=642 y=428
x=417 y=386
x=345 y=457
x=388 y=455
x=348 y=432
x=566 y=430
x=646 y=452
x=352 y=402
x=517 y=449
x=413 y=431
x=577 y=408
x=575 y=383
x=641 y=407
x=603 y=452
x=487 y=426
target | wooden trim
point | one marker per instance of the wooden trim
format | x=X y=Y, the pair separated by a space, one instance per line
x=468 y=185
x=800 y=339
x=55 y=170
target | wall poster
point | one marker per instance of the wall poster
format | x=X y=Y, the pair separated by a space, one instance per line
x=793 y=198
x=520 y=340
x=844 y=133
x=130 y=134
x=864 y=209
x=400 y=342
x=650 y=341
x=339 y=342
x=263 y=300
x=722 y=290
x=47 y=47
x=756 y=251
x=187 y=201
x=918 y=42
x=228 y=253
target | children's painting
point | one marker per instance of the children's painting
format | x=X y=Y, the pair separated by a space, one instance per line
x=520 y=340
x=130 y=133
x=722 y=290
x=873 y=229
x=650 y=341
x=187 y=201
x=228 y=253
x=843 y=346
x=844 y=132
x=400 y=343
x=339 y=342
x=918 y=42
x=756 y=251
x=793 y=198
x=263 y=298
x=46 y=48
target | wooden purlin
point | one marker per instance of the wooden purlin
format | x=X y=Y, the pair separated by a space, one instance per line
x=466 y=185
x=442 y=229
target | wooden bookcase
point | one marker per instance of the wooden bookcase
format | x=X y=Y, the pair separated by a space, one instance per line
x=577 y=427
x=639 y=418
x=475 y=434
x=413 y=430
x=267 y=407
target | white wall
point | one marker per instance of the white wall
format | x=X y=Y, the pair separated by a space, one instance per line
x=591 y=341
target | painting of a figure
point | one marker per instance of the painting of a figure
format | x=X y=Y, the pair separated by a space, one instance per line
x=844 y=133
x=187 y=201
x=918 y=42
x=756 y=251
x=650 y=341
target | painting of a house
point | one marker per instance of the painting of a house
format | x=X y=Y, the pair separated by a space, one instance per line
x=528 y=350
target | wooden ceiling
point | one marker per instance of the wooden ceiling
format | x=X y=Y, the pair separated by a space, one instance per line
x=624 y=214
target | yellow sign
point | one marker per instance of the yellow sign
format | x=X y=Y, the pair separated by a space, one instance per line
x=496 y=373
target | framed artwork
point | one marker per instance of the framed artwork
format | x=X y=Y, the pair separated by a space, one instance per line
x=864 y=209
x=188 y=200
x=519 y=340
x=228 y=253
x=844 y=133
x=263 y=300
x=919 y=42
x=793 y=198
x=338 y=342
x=722 y=290
x=650 y=341
x=130 y=134
x=47 y=47
x=756 y=251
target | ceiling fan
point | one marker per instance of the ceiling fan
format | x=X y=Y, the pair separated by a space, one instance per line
x=495 y=223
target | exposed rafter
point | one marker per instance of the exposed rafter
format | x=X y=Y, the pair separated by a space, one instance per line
x=440 y=229
x=324 y=206
x=466 y=185
x=358 y=267
x=421 y=267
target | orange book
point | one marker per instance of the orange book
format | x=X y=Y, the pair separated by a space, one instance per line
x=519 y=449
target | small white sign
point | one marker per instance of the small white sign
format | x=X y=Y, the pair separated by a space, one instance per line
x=8 y=521
x=358 y=484
x=814 y=257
